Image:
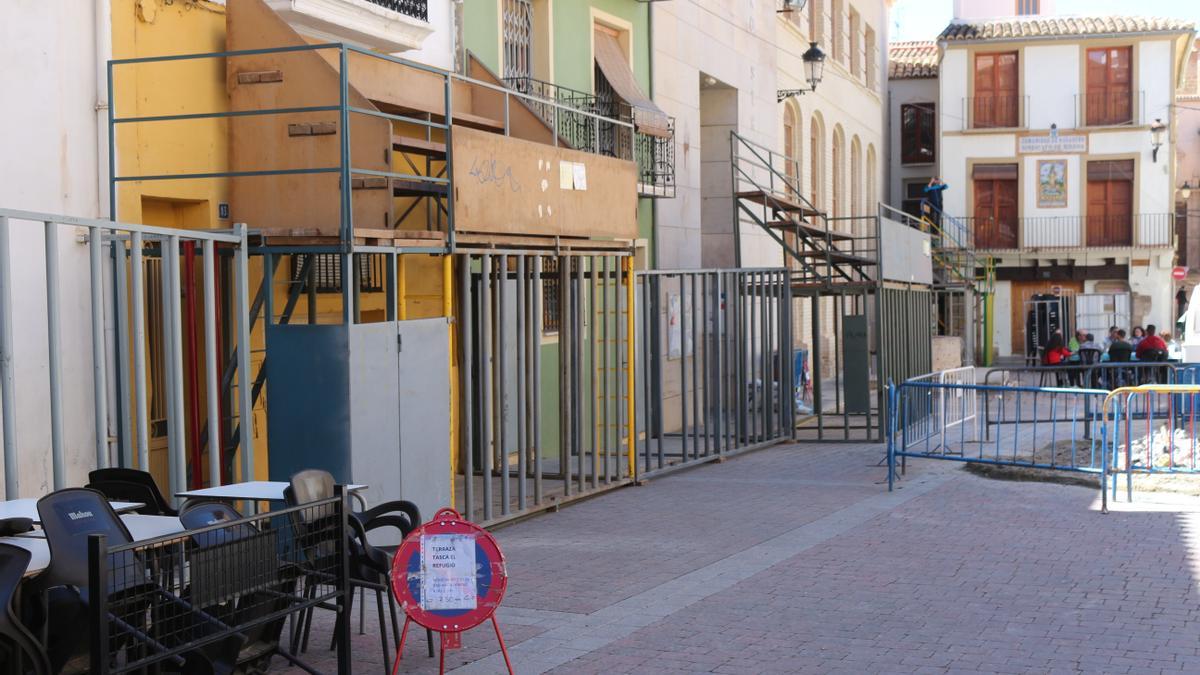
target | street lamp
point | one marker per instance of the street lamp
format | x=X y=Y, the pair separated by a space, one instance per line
x=1185 y=190
x=814 y=65
x=792 y=6
x=1156 y=137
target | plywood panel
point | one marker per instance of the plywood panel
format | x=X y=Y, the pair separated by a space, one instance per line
x=509 y=186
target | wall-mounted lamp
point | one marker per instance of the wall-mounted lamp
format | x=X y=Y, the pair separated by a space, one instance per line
x=1185 y=190
x=814 y=66
x=1156 y=138
x=792 y=6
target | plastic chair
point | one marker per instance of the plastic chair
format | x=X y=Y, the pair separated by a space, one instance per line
x=131 y=485
x=69 y=517
x=14 y=561
x=10 y=527
x=369 y=566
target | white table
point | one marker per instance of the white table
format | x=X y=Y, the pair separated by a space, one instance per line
x=27 y=508
x=38 y=548
x=151 y=527
x=256 y=491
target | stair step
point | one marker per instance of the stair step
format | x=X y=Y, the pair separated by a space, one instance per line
x=836 y=256
x=479 y=122
x=789 y=226
x=419 y=146
x=403 y=187
x=778 y=201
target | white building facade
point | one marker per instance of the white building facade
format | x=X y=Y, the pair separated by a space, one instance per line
x=1046 y=129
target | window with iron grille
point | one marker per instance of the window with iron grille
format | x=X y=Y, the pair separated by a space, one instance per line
x=517 y=26
x=328 y=271
x=550 y=296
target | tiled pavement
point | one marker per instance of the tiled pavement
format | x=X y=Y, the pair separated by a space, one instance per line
x=797 y=559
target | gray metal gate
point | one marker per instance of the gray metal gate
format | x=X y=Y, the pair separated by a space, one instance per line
x=714 y=368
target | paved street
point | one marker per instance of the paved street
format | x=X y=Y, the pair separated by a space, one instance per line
x=797 y=559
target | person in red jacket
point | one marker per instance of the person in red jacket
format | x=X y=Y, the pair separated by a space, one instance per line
x=1056 y=352
x=1151 y=346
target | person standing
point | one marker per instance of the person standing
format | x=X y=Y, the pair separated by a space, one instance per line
x=933 y=198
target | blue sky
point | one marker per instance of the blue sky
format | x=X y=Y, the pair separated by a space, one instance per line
x=924 y=19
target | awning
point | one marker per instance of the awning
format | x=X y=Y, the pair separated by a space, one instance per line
x=647 y=117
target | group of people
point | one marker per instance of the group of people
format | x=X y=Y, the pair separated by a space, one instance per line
x=1144 y=344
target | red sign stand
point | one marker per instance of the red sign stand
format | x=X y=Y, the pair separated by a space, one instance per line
x=449 y=576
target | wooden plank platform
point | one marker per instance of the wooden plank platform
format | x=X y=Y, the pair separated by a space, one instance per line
x=815 y=232
x=777 y=201
x=419 y=146
x=404 y=187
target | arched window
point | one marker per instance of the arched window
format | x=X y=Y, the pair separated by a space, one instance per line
x=837 y=201
x=872 y=189
x=856 y=178
x=816 y=154
x=791 y=146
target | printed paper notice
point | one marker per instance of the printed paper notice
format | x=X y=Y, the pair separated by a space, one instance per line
x=566 y=175
x=580 y=176
x=448 y=572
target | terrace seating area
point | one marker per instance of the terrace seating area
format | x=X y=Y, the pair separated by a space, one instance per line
x=218 y=580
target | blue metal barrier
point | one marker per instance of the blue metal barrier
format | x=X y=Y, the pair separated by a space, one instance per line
x=1032 y=427
x=1154 y=433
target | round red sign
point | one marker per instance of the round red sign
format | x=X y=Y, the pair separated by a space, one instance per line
x=1179 y=273
x=449 y=574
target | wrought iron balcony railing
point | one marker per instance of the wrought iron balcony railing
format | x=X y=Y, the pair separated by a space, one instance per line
x=417 y=9
x=655 y=155
x=1140 y=230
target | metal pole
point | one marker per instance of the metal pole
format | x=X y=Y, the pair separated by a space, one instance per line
x=696 y=381
x=178 y=461
x=564 y=380
x=53 y=302
x=596 y=373
x=577 y=364
x=718 y=342
x=99 y=358
x=536 y=389
x=606 y=364
x=659 y=365
x=630 y=409
x=502 y=380
x=245 y=405
x=138 y=293
x=486 y=395
x=468 y=412
x=707 y=367
x=121 y=293
x=522 y=344
x=212 y=383
x=646 y=363
x=8 y=396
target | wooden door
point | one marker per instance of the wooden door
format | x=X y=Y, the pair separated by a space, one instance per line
x=1024 y=290
x=997 y=91
x=995 y=213
x=1110 y=204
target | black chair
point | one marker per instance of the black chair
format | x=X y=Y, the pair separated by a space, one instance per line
x=370 y=567
x=24 y=653
x=238 y=576
x=10 y=527
x=131 y=485
x=1089 y=357
x=69 y=517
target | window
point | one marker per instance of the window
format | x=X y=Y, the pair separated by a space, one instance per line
x=1109 y=95
x=1027 y=7
x=872 y=195
x=914 y=192
x=869 y=56
x=815 y=18
x=995 y=205
x=835 y=28
x=815 y=151
x=918 y=135
x=791 y=138
x=997 y=100
x=837 y=202
x=518 y=38
x=1110 y=203
x=856 y=193
x=855 y=46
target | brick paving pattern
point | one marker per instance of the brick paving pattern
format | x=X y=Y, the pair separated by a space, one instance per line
x=797 y=559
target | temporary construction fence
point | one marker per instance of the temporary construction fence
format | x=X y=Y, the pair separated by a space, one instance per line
x=1154 y=433
x=714 y=364
x=140 y=331
x=1146 y=429
x=952 y=406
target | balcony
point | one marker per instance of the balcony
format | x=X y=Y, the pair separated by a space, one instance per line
x=654 y=151
x=1110 y=108
x=1049 y=233
x=382 y=25
x=996 y=112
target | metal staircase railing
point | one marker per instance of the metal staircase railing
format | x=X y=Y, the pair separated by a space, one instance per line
x=956 y=261
x=820 y=249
